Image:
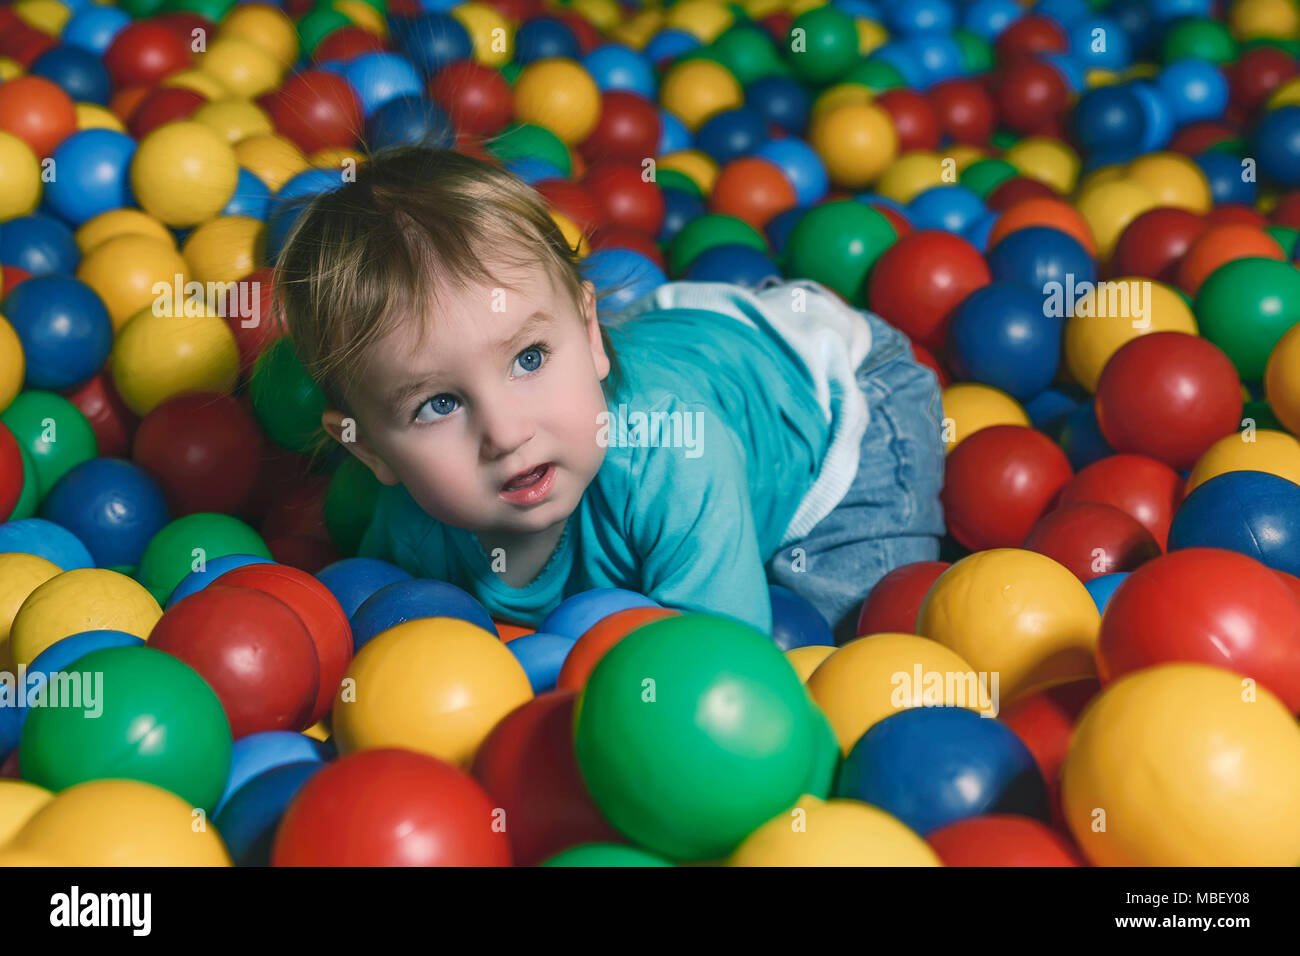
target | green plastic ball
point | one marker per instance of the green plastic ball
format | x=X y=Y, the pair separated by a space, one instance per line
x=214 y=10
x=605 y=854
x=747 y=52
x=317 y=25
x=29 y=500
x=53 y=432
x=527 y=140
x=707 y=231
x=1003 y=139
x=822 y=44
x=286 y=401
x=672 y=179
x=1286 y=238
x=139 y=9
x=1197 y=38
x=836 y=244
x=985 y=175
x=976 y=53
x=174 y=551
x=350 y=504
x=876 y=75
x=692 y=732
x=827 y=759
x=1245 y=306
x=154 y=720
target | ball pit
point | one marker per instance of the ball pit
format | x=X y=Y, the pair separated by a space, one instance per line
x=946 y=165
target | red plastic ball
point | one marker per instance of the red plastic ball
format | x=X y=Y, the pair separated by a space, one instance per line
x=1002 y=840
x=38 y=112
x=10 y=276
x=1141 y=487
x=1257 y=74
x=347 y=43
x=1017 y=189
x=527 y=766
x=921 y=278
x=1092 y=539
x=113 y=423
x=1044 y=721
x=915 y=120
x=517 y=10
x=1208 y=606
x=1029 y=35
x=166 y=104
x=999 y=482
x=144 y=52
x=1195 y=138
x=894 y=602
x=475 y=96
x=183 y=23
x=306 y=553
x=320 y=612
x=966 y=111
x=753 y=190
x=1236 y=214
x=24 y=44
x=1154 y=243
x=573 y=200
x=627 y=130
x=902 y=225
x=1287 y=210
x=1031 y=96
x=1168 y=395
x=251 y=649
x=203 y=448
x=317 y=109
x=928 y=359
x=1291 y=581
x=625 y=198
x=11 y=472
x=390 y=807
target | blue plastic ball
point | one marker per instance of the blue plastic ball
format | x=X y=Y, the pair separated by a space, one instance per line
x=93 y=175
x=434 y=40
x=411 y=600
x=680 y=208
x=1064 y=12
x=352 y=580
x=257 y=753
x=410 y=121
x=977 y=233
x=47 y=540
x=62 y=654
x=39 y=244
x=795 y=622
x=1255 y=513
x=621 y=277
x=732 y=263
x=65 y=330
x=779 y=228
x=802 y=166
x=248 y=820
x=1195 y=90
x=1224 y=173
x=731 y=134
x=1277 y=146
x=79 y=72
x=531 y=169
x=212 y=569
x=544 y=37
x=617 y=67
x=921 y=16
x=903 y=59
x=668 y=45
x=380 y=77
x=1108 y=117
x=541 y=656
x=1049 y=408
x=1001 y=336
x=575 y=616
x=1034 y=256
x=94 y=27
x=938 y=57
x=931 y=766
x=1100 y=589
x=252 y=197
x=781 y=100
x=950 y=208
x=114 y=507
x=988 y=18
x=1069 y=68
x=1157 y=116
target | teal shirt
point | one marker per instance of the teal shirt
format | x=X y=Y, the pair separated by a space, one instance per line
x=689 y=520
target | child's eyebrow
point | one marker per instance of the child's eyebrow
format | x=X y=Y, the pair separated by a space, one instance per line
x=532 y=325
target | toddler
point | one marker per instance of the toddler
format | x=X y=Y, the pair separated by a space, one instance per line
x=701 y=443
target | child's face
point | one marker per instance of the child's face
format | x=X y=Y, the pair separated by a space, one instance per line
x=507 y=380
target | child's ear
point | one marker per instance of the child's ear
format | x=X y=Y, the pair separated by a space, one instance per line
x=344 y=430
x=598 y=357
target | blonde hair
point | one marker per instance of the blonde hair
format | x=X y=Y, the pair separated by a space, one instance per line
x=363 y=258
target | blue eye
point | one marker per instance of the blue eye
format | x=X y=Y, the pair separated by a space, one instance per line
x=440 y=405
x=530 y=359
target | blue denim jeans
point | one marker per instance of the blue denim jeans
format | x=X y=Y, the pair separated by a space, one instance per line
x=891 y=514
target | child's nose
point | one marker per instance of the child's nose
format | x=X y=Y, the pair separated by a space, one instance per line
x=505 y=423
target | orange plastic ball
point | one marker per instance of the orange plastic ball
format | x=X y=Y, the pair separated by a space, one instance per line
x=1052 y=213
x=753 y=190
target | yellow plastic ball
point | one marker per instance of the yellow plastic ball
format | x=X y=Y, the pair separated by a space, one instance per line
x=572 y=232
x=241 y=66
x=1110 y=173
x=13 y=363
x=639 y=30
x=184 y=173
x=271 y=158
x=20 y=575
x=234 y=118
x=1184 y=765
x=9 y=68
x=1091 y=339
x=1264 y=19
x=333 y=157
x=224 y=249
x=435 y=685
x=1282 y=380
x=758 y=9
x=84 y=599
x=695 y=164
x=805 y=660
x=703 y=19
x=123 y=271
x=363 y=15
x=491 y=34
x=120 y=222
x=911 y=175
x=1174 y=179
x=695 y=90
x=968 y=407
x=558 y=94
x=1287 y=94
x=25 y=858
x=604 y=14
x=1267 y=450
x=19 y=801
x=157 y=356
x=1047 y=160
x=48 y=16
x=1111 y=206
x=20 y=171
x=834 y=833
x=856 y=142
x=871 y=36
x=876 y=676
x=94 y=116
x=1015 y=613
x=205 y=84
x=840 y=94
x=121 y=823
x=266 y=26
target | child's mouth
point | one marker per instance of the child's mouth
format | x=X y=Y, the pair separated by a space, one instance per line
x=531 y=486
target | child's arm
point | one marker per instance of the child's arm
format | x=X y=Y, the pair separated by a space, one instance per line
x=692 y=526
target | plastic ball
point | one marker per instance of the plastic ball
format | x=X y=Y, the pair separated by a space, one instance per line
x=161 y=353
x=857 y=143
x=596 y=641
x=1017 y=614
x=1168 y=395
x=839 y=833
x=1219 y=245
x=79 y=600
x=1002 y=840
x=434 y=685
x=39 y=245
x=541 y=656
x=795 y=622
x=1037 y=255
x=1153 y=243
x=316 y=109
x=123 y=270
x=1102 y=320
x=895 y=600
x=1092 y=539
x=644 y=767
x=1277 y=145
x=409 y=599
x=909 y=765
x=1141 y=487
x=559 y=94
x=1109 y=207
x=694 y=90
x=248 y=820
x=1052 y=213
x=112 y=506
x=1245 y=307
x=969 y=407
x=183 y=173
x=1002 y=336
x=168 y=558
x=390 y=807
x=1195 y=90
x=921 y=279
x=377 y=78
x=1221 y=765
x=1250 y=512
x=605 y=854
x=64 y=329
x=1282 y=380
x=116 y=823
